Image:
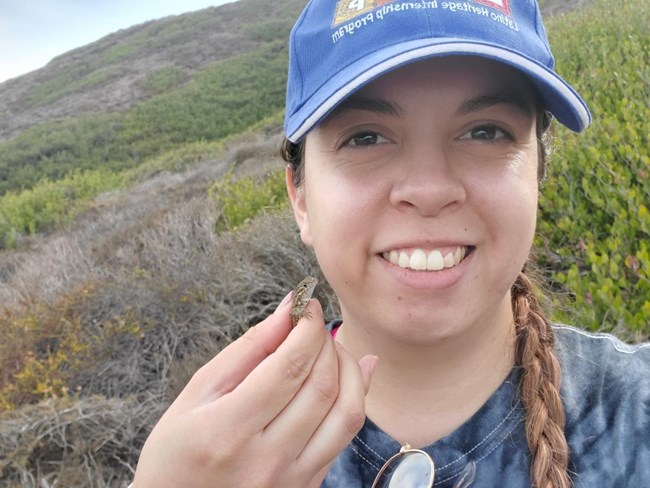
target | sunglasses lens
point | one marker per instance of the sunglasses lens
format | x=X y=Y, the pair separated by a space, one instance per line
x=412 y=469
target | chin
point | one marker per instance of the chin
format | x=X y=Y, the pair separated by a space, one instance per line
x=425 y=331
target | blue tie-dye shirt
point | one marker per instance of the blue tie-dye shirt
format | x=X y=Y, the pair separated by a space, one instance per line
x=606 y=396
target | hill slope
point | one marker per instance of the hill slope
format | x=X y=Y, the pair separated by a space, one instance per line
x=132 y=65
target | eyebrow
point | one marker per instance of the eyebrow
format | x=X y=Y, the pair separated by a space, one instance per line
x=375 y=105
x=486 y=101
x=475 y=104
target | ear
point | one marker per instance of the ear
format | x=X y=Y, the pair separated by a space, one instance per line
x=298 y=204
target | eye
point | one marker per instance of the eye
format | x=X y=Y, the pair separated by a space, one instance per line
x=366 y=138
x=486 y=133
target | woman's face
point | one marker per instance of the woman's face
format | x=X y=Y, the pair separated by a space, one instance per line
x=420 y=196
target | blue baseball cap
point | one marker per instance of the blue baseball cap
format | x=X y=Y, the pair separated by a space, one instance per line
x=338 y=46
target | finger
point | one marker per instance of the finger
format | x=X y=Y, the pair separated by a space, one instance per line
x=298 y=421
x=345 y=418
x=267 y=390
x=234 y=363
x=317 y=481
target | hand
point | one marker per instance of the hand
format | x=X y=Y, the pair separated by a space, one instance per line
x=274 y=408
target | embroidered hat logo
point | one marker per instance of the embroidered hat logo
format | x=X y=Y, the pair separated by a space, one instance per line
x=502 y=5
x=350 y=9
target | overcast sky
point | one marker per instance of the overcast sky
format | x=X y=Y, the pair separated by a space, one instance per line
x=32 y=32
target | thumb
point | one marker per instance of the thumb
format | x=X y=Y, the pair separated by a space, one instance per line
x=367 y=365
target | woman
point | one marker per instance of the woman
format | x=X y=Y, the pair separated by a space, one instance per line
x=416 y=141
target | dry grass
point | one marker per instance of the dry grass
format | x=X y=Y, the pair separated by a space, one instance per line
x=152 y=293
x=191 y=294
x=91 y=442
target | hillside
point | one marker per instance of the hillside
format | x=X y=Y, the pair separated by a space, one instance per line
x=138 y=238
x=135 y=64
x=139 y=93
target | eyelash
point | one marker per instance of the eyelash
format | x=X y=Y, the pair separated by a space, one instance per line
x=490 y=129
x=364 y=135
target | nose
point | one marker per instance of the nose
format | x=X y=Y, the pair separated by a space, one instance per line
x=427 y=182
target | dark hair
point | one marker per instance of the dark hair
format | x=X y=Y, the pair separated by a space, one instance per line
x=293 y=153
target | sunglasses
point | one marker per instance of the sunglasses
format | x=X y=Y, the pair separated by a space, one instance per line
x=413 y=468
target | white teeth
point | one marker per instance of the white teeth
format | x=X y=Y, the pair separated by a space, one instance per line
x=457 y=256
x=435 y=261
x=418 y=260
x=421 y=260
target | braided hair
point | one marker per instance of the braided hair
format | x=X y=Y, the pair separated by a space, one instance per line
x=540 y=389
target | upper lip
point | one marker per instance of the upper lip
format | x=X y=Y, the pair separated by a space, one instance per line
x=427 y=246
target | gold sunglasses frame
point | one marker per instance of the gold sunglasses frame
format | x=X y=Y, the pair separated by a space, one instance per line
x=406 y=449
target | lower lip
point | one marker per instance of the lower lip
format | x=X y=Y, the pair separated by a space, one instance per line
x=429 y=280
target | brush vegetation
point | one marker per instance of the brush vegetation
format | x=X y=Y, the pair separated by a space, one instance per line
x=594 y=224
x=139 y=243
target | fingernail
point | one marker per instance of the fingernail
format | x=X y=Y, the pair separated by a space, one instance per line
x=284 y=301
x=371 y=365
x=368 y=365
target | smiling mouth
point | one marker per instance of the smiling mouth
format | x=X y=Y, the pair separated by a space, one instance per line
x=430 y=260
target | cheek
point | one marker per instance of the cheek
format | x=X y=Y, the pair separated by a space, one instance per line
x=344 y=214
x=516 y=183
x=507 y=200
x=526 y=187
x=324 y=204
x=514 y=206
x=339 y=201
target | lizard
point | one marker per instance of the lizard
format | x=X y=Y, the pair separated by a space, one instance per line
x=301 y=296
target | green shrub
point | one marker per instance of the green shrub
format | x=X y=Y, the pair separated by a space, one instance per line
x=69 y=82
x=163 y=80
x=51 y=203
x=269 y=31
x=242 y=199
x=177 y=159
x=594 y=218
x=224 y=99
x=55 y=149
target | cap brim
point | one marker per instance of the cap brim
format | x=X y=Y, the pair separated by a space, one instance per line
x=559 y=97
